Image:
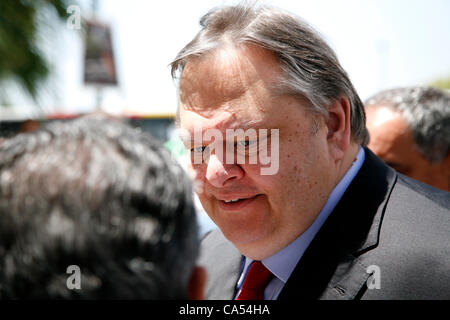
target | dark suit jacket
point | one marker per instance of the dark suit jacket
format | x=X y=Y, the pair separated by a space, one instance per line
x=384 y=219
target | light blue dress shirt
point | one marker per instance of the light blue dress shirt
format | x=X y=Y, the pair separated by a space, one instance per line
x=282 y=263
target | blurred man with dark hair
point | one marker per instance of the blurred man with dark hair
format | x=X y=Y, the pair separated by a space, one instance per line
x=410 y=130
x=100 y=198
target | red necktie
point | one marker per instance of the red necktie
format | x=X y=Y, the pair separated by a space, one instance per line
x=255 y=282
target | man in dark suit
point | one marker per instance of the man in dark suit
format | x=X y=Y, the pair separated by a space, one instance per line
x=277 y=136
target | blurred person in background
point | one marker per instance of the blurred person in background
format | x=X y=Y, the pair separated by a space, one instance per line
x=100 y=196
x=410 y=131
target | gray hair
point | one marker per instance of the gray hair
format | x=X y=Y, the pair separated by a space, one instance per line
x=98 y=194
x=426 y=110
x=311 y=68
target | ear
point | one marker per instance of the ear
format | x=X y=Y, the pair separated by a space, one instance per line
x=338 y=125
x=196 y=285
x=445 y=169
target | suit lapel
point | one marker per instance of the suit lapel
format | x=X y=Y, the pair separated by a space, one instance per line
x=331 y=267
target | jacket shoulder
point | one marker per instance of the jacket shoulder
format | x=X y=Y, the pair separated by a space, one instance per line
x=427 y=194
x=222 y=262
x=413 y=254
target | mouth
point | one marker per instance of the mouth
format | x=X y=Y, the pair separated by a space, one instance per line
x=236 y=203
x=232 y=201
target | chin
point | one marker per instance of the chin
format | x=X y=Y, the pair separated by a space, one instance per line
x=251 y=241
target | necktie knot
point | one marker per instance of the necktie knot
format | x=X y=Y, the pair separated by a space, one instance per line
x=256 y=280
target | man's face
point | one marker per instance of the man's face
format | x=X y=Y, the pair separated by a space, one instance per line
x=392 y=141
x=232 y=90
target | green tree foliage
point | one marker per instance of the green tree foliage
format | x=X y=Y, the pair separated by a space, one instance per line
x=21 y=59
x=443 y=83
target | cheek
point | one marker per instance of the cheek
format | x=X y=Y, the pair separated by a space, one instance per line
x=197 y=175
x=282 y=187
x=298 y=177
x=291 y=166
x=423 y=172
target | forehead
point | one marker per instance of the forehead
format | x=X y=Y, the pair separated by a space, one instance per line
x=389 y=133
x=392 y=140
x=385 y=125
x=231 y=87
x=225 y=74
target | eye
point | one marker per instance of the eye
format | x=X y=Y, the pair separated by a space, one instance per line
x=199 y=154
x=246 y=143
x=198 y=149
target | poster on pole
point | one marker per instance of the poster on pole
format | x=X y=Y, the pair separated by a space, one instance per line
x=99 y=65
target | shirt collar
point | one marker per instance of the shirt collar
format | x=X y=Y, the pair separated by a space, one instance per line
x=282 y=263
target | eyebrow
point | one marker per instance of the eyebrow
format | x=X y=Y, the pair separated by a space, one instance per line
x=256 y=125
x=251 y=124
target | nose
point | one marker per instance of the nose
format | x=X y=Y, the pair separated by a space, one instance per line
x=219 y=174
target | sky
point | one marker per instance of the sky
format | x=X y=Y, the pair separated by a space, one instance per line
x=380 y=43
